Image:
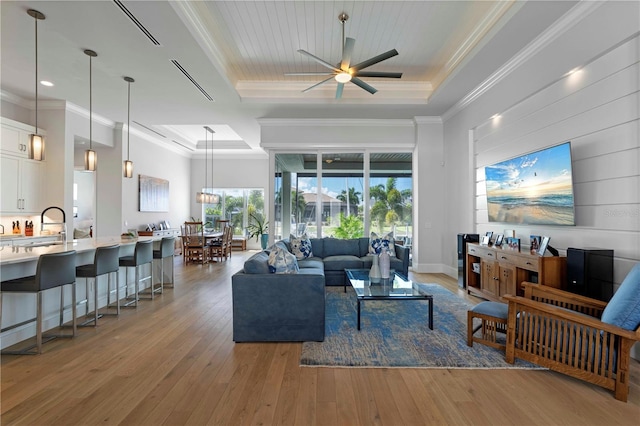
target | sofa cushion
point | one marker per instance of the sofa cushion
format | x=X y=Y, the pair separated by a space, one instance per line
x=300 y=246
x=311 y=271
x=257 y=264
x=377 y=243
x=336 y=247
x=312 y=263
x=623 y=310
x=317 y=247
x=342 y=262
x=282 y=262
x=363 y=244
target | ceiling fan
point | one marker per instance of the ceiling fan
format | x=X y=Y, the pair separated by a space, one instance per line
x=344 y=72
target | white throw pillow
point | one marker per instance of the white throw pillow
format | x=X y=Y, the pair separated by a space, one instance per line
x=282 y=262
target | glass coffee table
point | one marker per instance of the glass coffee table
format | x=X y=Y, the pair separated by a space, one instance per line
x=394 y=288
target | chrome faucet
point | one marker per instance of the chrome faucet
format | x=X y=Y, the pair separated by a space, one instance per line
x=63 y=233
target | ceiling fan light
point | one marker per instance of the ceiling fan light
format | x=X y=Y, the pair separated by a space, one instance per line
x=343 y=77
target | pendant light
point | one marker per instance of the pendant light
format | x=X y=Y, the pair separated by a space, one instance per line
x=90 y=157
x=128 y=165
x=36 y=142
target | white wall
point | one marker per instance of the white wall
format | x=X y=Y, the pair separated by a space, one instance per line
x=596 y=109
x=227 y=173
x=428 y=209
x=541 y=108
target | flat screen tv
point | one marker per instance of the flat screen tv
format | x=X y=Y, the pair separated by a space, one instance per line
x=533 y=189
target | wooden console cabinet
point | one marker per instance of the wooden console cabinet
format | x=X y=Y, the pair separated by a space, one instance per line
x=172 y=232
x=502 y=271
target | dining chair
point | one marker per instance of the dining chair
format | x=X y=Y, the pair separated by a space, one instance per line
x=195 y=248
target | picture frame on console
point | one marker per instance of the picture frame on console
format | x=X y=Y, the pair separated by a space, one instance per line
x=499 y=240
x=513 y=243
x=534 y=243
x=543 y=245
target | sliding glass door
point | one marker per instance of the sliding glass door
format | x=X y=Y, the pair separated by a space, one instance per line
x=391 y=195
x=343 y=195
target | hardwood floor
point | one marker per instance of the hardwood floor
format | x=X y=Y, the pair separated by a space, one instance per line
x=172 y=361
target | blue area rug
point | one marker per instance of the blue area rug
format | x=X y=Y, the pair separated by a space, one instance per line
x=396 y=334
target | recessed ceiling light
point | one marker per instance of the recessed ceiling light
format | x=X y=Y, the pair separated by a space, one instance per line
x=494 y=116
x=573 y=71
x=46 y=83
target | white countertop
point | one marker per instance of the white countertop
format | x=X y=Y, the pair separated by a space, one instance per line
x=19 y=254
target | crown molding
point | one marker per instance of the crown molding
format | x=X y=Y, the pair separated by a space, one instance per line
x=478 y=33
x=332 y=122
x=389 y=92
x=312 y=145
x=85 y=114
x=191 y=14
x=557 y=29
x=428 y=120
x=14 y=99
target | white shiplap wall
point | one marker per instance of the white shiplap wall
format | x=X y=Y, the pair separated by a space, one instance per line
x=598 y=110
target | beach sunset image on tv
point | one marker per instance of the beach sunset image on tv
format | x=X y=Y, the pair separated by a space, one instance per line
x=535 y=188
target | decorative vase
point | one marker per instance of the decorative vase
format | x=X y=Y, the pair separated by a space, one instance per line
x=374 y=273
x=385 y=263
x=264 y=240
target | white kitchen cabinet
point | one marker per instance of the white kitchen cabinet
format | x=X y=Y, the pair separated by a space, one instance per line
x=21 y=185
x=14 y=138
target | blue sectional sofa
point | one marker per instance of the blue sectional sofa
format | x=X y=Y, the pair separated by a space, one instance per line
x=270 y=307
x=337 y=255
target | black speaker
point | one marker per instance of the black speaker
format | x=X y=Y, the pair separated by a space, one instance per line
x=463 y=239
x=590 y=272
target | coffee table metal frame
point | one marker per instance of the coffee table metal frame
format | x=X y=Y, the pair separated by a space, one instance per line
x=395 y=288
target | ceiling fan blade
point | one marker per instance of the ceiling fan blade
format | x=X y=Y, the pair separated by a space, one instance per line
x=317 y=84
x=339 y=90
x=308 y=73
x=372 y=61
x=347 y=50
x=318 y=60
x=363 y=85
x=379 y=74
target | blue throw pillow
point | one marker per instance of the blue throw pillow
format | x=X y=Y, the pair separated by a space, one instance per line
x=300 y=246
x=282 y=262
x=623 y=309
x=376 y=244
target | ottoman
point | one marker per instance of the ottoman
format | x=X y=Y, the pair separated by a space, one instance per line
x=493 y=320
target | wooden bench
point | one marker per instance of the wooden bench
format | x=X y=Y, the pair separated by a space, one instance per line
x=239 y=243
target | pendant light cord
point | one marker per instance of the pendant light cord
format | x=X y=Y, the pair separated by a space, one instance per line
x=206 y=156
x=128 y=114
x=90 y=105
x=36 y=19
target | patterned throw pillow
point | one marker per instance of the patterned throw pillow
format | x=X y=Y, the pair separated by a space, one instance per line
x=300 y=246
x=376 y=244
x=282 y=262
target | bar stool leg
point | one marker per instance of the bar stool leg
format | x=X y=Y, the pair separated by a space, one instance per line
x=131 y=303
x=117 y=291
x=39 y=322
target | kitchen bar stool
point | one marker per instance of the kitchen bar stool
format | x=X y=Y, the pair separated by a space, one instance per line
x=105 y=261
x=142 y=254
x=53 y=270
x=167 y=247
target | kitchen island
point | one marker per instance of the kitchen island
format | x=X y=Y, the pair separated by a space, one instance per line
x=21 y=261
